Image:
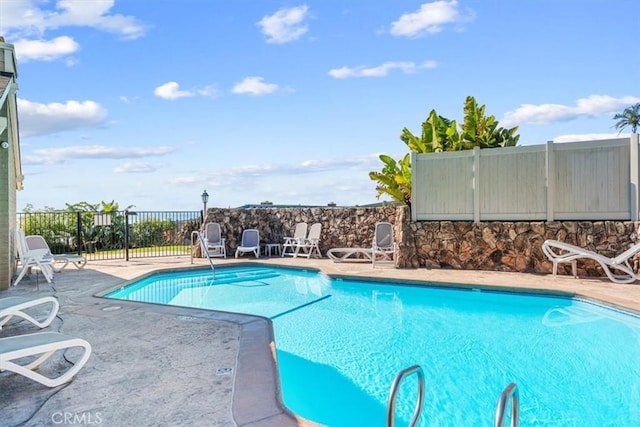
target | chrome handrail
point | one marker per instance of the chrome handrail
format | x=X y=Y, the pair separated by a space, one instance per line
x=203 y=247
x=393 y=393
x=509 y=393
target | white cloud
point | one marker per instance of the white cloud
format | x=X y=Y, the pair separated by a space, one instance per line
x=208 y=91
x=43 y=119
x=128 y=99
x=138 y=167
x=45 y=50
x=592 y=106
x=285 y=25
x=254 y=86
x=171 y=91
x=364 y=163
x=379 y=71
x=62 y=154
x=34 y=17
x=429 y=19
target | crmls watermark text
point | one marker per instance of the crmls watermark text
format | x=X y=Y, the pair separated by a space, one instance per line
x=76 y=418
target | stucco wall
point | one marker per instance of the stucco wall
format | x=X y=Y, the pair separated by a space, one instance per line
x=497 y=246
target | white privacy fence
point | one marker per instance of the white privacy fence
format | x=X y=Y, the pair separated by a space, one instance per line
x=587 y=180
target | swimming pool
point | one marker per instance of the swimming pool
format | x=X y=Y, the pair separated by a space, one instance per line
x=340 y=344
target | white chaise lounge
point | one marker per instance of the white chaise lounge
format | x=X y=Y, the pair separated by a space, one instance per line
x=36 y=242
x=40 y=258
x=349 y=254
x=16 y=307
x=383 y=247
x=617 y=269
x=17 y=355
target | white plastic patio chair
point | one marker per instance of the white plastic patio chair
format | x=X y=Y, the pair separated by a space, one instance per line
x=250 y=242
x=310 y=245
x=559 y=252
x=299 y=234
x=213 y=241
x=16 y=307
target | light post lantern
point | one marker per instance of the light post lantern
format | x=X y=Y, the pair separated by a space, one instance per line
x=205 y=199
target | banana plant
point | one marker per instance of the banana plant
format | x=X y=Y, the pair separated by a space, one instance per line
x=441 y=134
x=394 y=179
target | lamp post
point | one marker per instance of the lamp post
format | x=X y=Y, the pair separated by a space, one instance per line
x=205 y=199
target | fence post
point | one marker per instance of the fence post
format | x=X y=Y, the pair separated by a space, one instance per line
x=126 y=235
x=414 y=186
x=476 y=184
x=634 y=176
x=550 y=179
x=79 y=227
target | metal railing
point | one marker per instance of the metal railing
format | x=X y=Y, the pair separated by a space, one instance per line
x=509 y=393
x=114 y=235
x=393 y=394
x=197 y=236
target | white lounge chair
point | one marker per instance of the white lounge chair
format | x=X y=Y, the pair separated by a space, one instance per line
x=16 y=306
x=215 y=243
x=384 y=246
x=40 y=258
x=299 y=234
x=36 y=242
x=250 y=242
x=41 y=345
x=559 y=252
x=349 y=254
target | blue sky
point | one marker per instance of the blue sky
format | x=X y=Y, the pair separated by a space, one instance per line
x=148 y=103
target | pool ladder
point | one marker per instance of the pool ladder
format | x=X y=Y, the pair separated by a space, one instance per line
x=509 y=393
x=203 y=247
x=393 y=394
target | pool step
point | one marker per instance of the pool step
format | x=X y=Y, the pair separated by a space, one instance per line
x=239 y=278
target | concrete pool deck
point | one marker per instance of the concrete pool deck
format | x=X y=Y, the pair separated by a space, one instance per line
x=156 y=365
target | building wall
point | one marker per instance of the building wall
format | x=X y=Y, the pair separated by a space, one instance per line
x=7 y=211
x=10 y=165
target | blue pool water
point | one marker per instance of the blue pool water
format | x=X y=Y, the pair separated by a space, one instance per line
x=340 y=343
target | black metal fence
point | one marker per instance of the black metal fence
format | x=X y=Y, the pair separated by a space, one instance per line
x=114 y=235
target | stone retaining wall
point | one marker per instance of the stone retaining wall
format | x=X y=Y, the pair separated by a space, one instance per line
x=496 y=246
x=349 y=226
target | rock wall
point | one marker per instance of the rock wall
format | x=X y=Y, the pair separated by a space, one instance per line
x=348 y=226
x=497 y=246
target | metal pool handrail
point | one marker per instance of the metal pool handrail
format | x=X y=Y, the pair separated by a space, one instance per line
x=203 y=247
x=509 y=393
x=393 y=393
